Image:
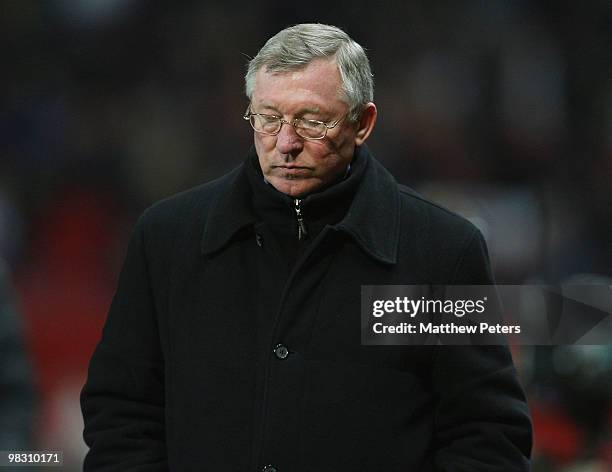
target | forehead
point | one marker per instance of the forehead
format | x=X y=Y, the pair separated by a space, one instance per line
x=316 y=86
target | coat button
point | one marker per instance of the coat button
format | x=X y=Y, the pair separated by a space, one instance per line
x=259 y=239
x=281 y=351
x=269 y=468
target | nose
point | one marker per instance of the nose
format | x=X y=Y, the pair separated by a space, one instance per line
x=287 y=140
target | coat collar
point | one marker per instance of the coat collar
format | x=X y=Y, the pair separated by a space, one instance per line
x=229 y=213
x=373 y=219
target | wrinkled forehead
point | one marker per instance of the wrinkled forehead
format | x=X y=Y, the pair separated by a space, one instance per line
x=319 y=81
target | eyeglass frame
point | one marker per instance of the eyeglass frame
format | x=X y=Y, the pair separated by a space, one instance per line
x=248 y=113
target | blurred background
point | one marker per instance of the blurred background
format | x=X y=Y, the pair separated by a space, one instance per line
x=501 y=111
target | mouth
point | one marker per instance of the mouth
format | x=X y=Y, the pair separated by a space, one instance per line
x=293 y=171
x=291 y=167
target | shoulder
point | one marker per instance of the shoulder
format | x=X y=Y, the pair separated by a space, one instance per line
x=189 y=205
x=442 y=243
x=179 y=220
x=417 y=213
x=428 y=215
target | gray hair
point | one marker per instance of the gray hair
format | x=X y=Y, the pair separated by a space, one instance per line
x=295 y=47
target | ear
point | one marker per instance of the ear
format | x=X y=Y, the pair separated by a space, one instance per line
x=366 y=123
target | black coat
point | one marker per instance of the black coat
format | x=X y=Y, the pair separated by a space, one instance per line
x=188 y=375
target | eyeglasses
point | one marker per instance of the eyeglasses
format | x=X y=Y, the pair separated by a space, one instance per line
x=272 y=124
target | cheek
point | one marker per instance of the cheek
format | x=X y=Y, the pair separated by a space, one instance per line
x=257 y=143
x=265 y=152
x=264 y=144
x=328 y=164
x=335 y=153
x=260 y=147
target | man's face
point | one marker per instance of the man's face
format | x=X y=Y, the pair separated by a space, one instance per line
x=293 y=165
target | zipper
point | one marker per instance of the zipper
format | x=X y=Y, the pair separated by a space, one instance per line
x=302 y=233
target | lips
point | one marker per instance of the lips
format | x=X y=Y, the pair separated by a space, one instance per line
x=291 y=167
x=293 y=171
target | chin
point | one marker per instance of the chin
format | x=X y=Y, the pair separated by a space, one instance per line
x=295 y=188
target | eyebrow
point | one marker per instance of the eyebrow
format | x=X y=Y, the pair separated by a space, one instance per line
x=301 y=111
x=313 y=110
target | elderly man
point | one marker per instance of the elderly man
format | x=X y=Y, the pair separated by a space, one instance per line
x=233 y=341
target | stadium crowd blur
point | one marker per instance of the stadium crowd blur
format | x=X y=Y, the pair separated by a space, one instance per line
x=501 y=111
